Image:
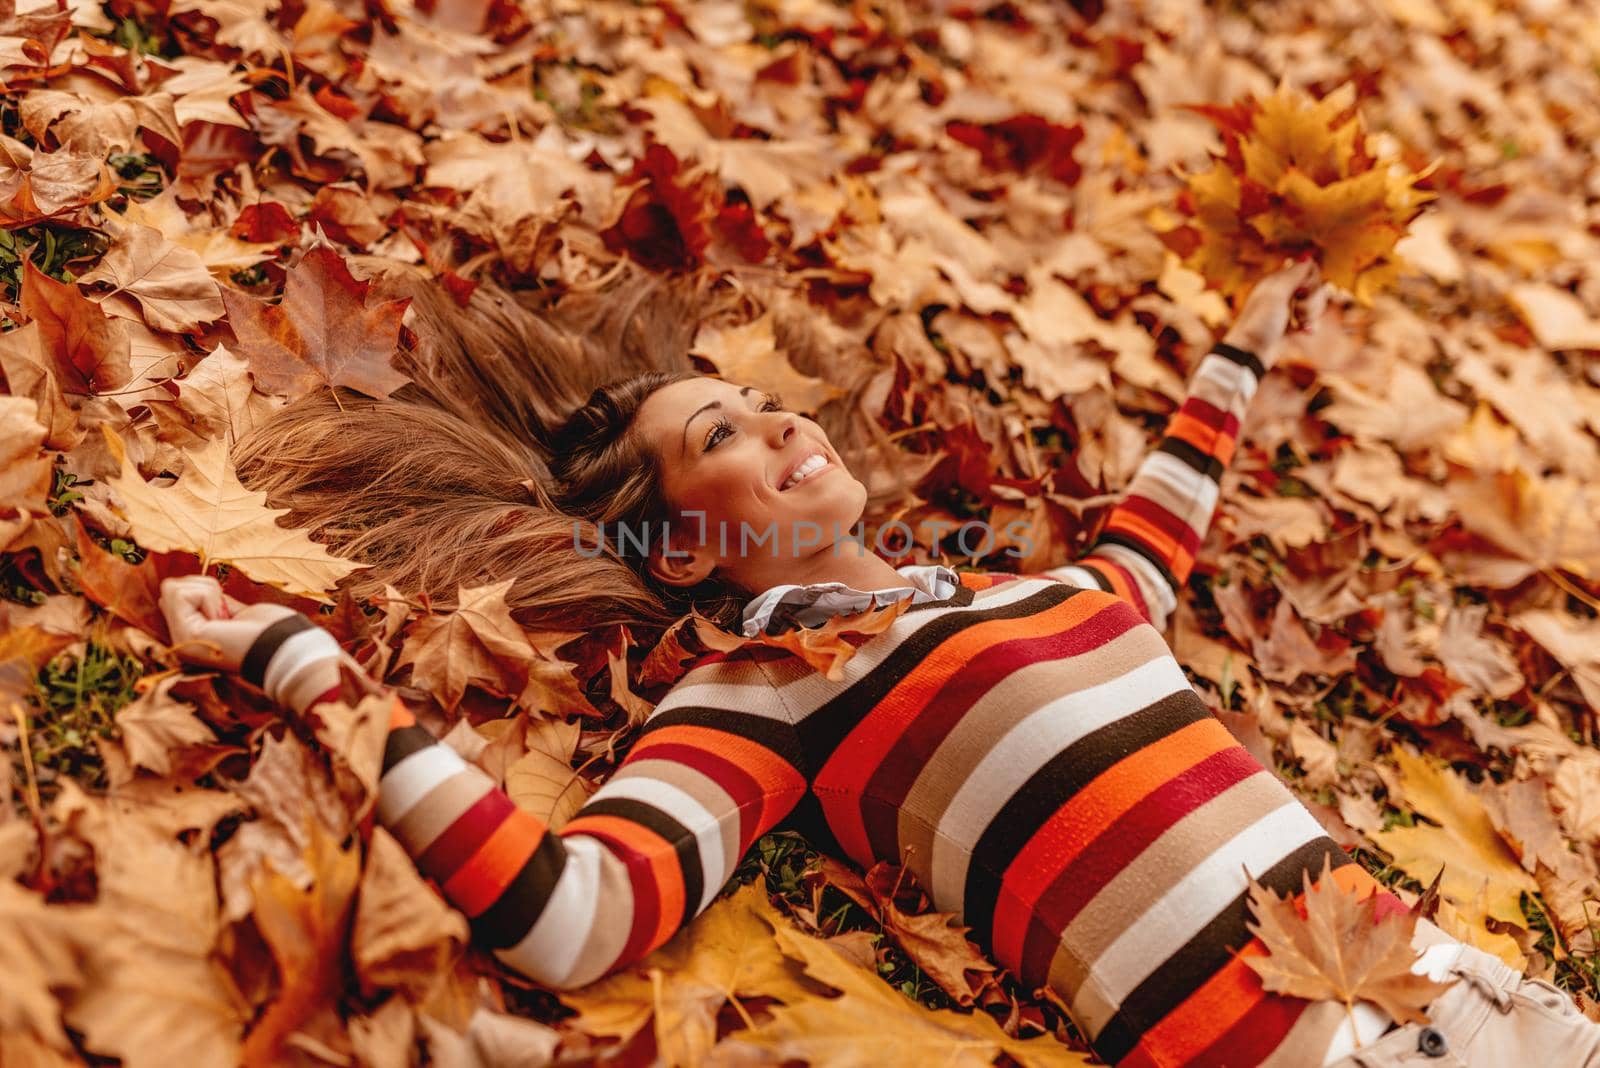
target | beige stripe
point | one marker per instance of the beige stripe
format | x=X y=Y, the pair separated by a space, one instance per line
x=609 y=932
x=707 y=794
x=439 y=808
x=1146 y=880
x=1015 y=698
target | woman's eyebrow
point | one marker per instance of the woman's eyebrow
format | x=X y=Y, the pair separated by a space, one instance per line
x=683 y=444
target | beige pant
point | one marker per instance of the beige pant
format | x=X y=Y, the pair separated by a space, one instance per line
x=1492 y=1017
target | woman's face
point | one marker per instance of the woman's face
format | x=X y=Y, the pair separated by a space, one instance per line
x=732 y=454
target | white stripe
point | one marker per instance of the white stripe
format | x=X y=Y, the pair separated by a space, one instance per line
x=297 y=650
x=1073 y=575
x=1177 y=487
x=1158 y=595
x=683 y=807
x=1024 y=750
x=1223 y=383
x=403 y=785
x=551 y=948
x=1208 y=888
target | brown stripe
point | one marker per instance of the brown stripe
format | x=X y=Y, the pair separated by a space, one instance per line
x=1022 y=693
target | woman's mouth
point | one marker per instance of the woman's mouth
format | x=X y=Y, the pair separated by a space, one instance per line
x=811 y=467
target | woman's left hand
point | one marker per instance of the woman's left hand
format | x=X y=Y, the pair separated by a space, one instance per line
x=1291 y=294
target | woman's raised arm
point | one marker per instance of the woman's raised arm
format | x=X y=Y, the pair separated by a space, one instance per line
x=1147 y=548
x=717 y=765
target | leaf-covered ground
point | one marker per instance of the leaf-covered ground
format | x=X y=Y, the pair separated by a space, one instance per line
x=993 y=206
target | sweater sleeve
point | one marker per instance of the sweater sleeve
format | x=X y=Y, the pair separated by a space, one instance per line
x=1147 y=548
x=716 y=765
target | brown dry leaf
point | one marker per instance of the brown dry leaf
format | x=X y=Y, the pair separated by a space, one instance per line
x=478 y=644
x=325 y=333
x=45 y=948
x=404 y=935
x=88 y=350
x=1339 y=950
x=29 y=372
x=156 y=993
x=131 y=592
x=306 y=930
x=1477 y=863
x=827 y=647
x=748 y=354
x=156 y=723
x=725 y=953
x=543 y=781
x=209 y=512
x=165 y=281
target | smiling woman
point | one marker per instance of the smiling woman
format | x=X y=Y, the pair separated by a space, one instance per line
x=1025 y=744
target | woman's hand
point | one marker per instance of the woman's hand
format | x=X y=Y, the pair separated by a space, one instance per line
x=1290 y=294
x=208 y=627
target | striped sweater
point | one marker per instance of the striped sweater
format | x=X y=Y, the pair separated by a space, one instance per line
x=1028 y=747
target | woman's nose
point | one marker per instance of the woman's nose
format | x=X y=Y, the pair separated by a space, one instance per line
x=785 y=429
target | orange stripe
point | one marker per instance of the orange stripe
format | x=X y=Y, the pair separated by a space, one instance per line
x=1207 y=439
x=486 y=874
x=1076 y=824
x=665 y=872
x=1164 y=544
x=1208 y=1013
x=865 y=748
x=400 y=715
x=776 y=775
x=1114 y=574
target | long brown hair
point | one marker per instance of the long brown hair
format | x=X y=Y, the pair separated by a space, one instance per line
x=515 y=439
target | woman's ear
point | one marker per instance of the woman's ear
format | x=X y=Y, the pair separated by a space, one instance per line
x=682 y=561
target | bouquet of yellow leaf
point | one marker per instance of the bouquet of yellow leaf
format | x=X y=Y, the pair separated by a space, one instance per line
x=1296 y=179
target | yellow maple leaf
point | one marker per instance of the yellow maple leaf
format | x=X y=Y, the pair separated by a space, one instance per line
x=1340 y=950
x=209 y=512
x=1297 y=176
x=749 y=355
x=871 y=1023
x=724 y=954
x=1482 y=876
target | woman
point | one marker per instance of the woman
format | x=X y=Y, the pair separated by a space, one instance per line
x=1026 y=745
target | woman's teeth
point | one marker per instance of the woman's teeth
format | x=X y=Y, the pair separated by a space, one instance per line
x=811 y=466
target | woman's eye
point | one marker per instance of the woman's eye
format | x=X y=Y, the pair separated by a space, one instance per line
x=712 y=438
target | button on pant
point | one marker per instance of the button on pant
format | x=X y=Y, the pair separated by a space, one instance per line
x=1492 y=1016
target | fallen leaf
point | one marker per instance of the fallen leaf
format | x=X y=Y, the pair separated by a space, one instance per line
x=1339 y=950
x=325 y=333
x=209 y=512
x=165 y=281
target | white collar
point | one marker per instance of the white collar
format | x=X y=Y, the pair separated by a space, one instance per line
x=814 y=604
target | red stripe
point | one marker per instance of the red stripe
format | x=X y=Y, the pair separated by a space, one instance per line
x=1119 y=845
x=1158 y=516
x=1217 y=418
x=739 y=784
x=1122 y=582
x=456 y=844
x=1257 y=1033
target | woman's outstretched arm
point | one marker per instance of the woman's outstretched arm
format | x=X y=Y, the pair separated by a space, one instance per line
x=715 y=767
x=1147 y=548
